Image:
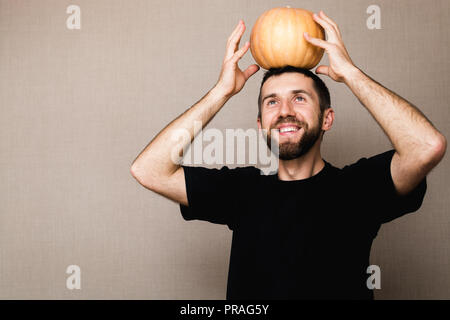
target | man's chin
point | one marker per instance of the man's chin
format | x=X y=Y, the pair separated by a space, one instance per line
x=290 y=151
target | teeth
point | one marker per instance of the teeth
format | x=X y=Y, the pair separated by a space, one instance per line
x=288 y=129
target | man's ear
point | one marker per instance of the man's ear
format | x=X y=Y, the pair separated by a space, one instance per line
x=258 y=120
x=328 y=119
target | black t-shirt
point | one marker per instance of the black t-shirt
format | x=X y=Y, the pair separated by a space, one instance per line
x=302 y=239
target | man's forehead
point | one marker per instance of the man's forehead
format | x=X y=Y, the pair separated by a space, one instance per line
x=287 y=82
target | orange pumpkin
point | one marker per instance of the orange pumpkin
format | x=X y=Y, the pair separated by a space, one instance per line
x=277 y=39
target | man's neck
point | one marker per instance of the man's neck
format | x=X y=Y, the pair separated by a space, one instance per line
x=301 y=168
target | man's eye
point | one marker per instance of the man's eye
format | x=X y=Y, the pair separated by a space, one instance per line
x=272 y=102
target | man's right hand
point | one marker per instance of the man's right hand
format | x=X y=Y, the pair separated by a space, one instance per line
x=232 y=79
x=154 y=168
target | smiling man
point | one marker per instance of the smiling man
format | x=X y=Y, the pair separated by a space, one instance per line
x=292 y=103
x=306 y=231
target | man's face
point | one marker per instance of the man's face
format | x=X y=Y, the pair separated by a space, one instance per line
x=290 y=105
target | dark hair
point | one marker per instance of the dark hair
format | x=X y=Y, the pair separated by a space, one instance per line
x=319 y=85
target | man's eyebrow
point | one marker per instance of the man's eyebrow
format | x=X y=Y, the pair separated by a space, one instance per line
x=273 y=95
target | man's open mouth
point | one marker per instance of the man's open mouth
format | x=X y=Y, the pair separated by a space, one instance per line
x=285 y=130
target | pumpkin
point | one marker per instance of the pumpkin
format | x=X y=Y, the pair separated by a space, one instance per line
x=277 y=39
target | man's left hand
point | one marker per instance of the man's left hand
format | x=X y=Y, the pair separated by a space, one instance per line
x=341 y=65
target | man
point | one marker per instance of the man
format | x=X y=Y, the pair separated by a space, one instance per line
x=306 y=231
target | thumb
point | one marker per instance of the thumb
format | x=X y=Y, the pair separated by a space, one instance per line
x=251 y=70
x=322 y=70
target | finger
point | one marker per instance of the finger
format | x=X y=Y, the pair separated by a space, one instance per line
x=330 y=21
x=233 y=41
x=251 y=70
x=317 y=42
x=239 y=35
x=236 y=29
x=237 y=44
x=229 y=42
x=323 y=70
x=240 y=53
x=331 y=31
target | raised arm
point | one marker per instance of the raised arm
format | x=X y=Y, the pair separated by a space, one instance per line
x=154 y=167
x=419 y=146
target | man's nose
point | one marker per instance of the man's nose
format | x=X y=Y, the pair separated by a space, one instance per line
x=286 y=109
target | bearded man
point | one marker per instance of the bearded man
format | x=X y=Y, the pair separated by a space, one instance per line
x=306 y=231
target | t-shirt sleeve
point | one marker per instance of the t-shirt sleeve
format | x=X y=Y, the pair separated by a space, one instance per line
x=373 y=185
x=213 y=194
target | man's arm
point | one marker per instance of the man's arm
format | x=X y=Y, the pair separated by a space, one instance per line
x=154 y=168
x=418 y=144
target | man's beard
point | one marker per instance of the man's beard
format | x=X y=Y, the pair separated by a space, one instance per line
x=291 y=150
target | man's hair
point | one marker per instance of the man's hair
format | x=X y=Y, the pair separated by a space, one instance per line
x=319 y=85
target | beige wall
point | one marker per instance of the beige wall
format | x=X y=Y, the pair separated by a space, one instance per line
x=77 y=106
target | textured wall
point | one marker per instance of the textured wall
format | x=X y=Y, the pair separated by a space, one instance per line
x=77 y=106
